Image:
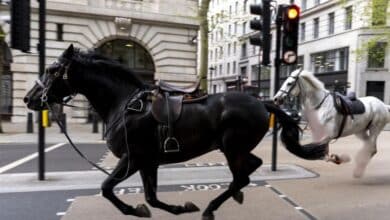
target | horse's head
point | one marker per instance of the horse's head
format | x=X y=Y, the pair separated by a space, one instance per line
x=290 y=87
x=53 y=86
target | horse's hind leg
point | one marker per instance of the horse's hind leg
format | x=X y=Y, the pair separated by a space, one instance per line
x=241 y=166
x=368 y=150
x=120 y=173
x=149 y=179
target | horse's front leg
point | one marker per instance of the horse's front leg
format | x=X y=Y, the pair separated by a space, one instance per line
x=122 y=171
x=149 y=179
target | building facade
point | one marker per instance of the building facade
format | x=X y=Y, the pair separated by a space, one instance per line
x=150 y=36
x=333 y=39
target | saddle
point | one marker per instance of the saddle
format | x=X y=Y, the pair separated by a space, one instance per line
x=349 y=104
x=167 y=106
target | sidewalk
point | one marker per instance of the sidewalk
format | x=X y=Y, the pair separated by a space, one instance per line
x=78 y=132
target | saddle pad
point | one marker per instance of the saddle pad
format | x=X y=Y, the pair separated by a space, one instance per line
x=346 y=106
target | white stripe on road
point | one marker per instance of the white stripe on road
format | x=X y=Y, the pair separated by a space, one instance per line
x=27 y=158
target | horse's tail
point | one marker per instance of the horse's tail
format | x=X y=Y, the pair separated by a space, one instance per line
x=290 y=136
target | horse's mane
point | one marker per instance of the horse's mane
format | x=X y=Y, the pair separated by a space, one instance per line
x=93 y=59
x=314 y=81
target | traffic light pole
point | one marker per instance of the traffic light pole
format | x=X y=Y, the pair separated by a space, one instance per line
x=42 y=55
x=277 y=62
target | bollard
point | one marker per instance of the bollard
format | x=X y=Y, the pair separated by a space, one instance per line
x=95 y=123
x=30 y=124
x=63 y=122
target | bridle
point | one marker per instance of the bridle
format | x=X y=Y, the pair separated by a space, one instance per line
x=44 y=100
x=295 y=83
x=48 y=84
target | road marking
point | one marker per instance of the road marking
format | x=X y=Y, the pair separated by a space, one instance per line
x=27 y=158
x=291 y=202
x=60 y=213
x=70 y=200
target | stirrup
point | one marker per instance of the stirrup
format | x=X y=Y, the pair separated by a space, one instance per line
x=174 y=150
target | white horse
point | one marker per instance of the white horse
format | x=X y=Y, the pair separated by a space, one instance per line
x=327 y=124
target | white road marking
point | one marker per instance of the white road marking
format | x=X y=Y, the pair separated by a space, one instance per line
x=70 y=200
x=60 y=213
x=298 y=208
x=27 y=158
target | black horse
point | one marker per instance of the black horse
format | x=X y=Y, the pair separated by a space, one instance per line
x=234 y=123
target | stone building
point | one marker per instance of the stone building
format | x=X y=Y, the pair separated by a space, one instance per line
x=332 y=38
x=154 y=37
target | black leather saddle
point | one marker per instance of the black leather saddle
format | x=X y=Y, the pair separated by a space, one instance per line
x=167 y=106
x=349 y=104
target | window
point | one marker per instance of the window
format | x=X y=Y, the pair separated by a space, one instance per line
x=244 y=28
x=220 y=69
x=245 y=6
x=379 y=8
x=229 y=49
x=303 y=31
x=220 y=52
x=304 y=5
x=330 y=61
x=60 y=32
x=243 y=50
x=376 y=55
x=236 y=8
x=348 y=18
x=234 y=48
x=255 y=73
x=230 y=29
x=316 y=24
x=234 y=67
x=376 y=89
x=235 y=28
x=228 y=69
x=316 y=2
x=331 y=23
x=300 y=61
x=244 y=73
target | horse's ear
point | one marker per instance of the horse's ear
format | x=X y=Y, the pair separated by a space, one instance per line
x=68 y=53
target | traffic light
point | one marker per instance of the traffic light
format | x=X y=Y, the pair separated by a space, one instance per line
x=263 y=25
x=20 y=25
x=290 y=34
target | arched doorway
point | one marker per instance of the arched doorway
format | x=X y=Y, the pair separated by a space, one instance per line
x=131 y=54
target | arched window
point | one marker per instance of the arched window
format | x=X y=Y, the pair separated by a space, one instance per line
x=131 y=54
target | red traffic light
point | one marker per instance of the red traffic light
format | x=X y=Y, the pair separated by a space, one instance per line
x=293 y=12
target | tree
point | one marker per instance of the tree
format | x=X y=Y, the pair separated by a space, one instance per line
x=204 y=42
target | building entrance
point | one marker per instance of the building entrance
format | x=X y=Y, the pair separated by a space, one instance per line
x=132 y=55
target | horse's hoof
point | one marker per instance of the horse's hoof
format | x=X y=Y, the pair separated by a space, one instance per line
x=239 y=197
x=208 y=217
x=143 y=211
x=190 y=207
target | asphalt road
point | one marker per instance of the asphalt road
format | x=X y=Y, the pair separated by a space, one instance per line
x=44 y=205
